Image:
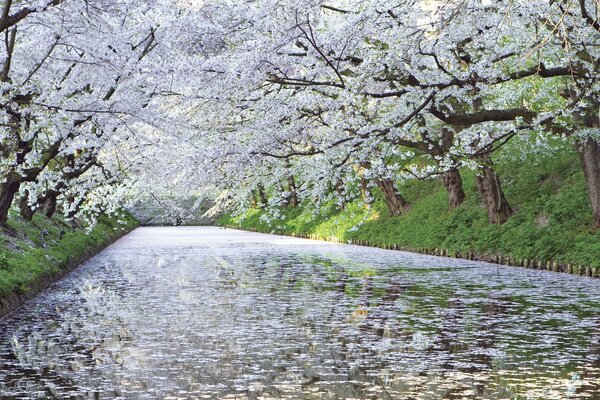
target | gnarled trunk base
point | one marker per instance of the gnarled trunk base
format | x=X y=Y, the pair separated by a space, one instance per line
x=498 y=208
x=589 y=154
x=394 y=200
x=49 y=204
x=8 y=190
x=27 y=211
x=454 y=186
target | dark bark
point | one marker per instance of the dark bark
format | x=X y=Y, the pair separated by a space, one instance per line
x=10 y=46
x=394 y=200
x=589 y=154
x=27 y=211
x=8 y=20
x=262 y=195
x=439 y=147
x=454 y=187
x=8 y=190
x=339 y=188
x=49 y=203
x=293 y=201
x=490 y=189
x=483 y=116
x=10 y=187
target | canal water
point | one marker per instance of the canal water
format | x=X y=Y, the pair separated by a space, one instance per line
x=203 y=312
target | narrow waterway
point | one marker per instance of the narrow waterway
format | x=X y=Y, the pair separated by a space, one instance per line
x=206 y=312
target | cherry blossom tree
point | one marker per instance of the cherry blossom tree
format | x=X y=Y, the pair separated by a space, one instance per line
x=284 y=101
x=444 y=79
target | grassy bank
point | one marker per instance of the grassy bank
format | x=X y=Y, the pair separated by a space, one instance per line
x=34 y=253
x=552 y=220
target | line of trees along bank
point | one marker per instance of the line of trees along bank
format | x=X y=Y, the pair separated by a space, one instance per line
x=372 y=94
x=48 y=142
x=301 y=100
x=73 y=83
x=551 y=220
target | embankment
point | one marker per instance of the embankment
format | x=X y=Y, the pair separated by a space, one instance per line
x=33 y=254
x=550 y=229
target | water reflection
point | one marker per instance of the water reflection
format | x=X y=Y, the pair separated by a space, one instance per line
x=211 y=313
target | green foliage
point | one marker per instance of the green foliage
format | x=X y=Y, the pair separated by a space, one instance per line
x=44 y=247
x=552 y=216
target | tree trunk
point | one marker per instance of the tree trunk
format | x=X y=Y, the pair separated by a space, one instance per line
x=589 y=154
x=339 y=189
x=293 y=198
x=488 y=184
x=27 y=211
x=49 y=204
x=453 y=184
x=262 y=196
x=8 y=190
x=394 y=200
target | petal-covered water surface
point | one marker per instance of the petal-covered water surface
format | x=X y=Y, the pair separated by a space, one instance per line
x=207 y=312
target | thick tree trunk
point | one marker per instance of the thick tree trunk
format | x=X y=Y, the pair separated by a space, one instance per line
x=589 y=154
x=394 y=200
x=8 y=190
x=49 y=204
x=293 y=198
x=454 y=186
x=488 y=184
x=26 y=211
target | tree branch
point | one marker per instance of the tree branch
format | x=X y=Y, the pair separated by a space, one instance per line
x=8 y=21
x=482 y=116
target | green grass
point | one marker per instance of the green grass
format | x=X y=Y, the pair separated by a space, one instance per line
x=552 y=219
x=32 y=251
